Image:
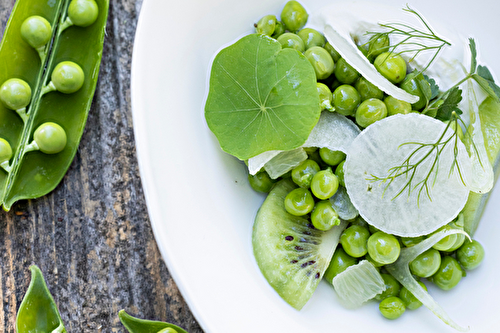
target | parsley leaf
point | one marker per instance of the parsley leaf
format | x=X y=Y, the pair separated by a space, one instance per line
x=473 y=51
x=450 y=104
x=434 y=86
x=486 y=81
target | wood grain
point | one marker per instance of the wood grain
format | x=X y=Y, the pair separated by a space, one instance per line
x=91 y=236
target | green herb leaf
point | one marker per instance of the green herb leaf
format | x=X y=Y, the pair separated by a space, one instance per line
x=261 y=97
x=136 y=325
x=38 y=311
x=433 y=85
x=486 y=81
x=473 y=51
x=450 y=104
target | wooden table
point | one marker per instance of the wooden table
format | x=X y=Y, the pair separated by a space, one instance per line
x=91 y=236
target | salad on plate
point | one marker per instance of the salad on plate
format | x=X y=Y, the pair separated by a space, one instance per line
x=377 y=142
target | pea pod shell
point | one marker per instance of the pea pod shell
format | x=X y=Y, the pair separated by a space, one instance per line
x=136 y=325
x=38 y=311
x=39 y=173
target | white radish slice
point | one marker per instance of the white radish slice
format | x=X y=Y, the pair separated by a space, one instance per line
x=358 y=284
x=400 y=270
x=342 y=204
x=332 y=131
x=284 y=162
x=481 y=179
x=344 y=45
x=380 y=147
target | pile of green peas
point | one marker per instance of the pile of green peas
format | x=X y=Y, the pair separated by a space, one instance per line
x=339 y=84
x=444 y=264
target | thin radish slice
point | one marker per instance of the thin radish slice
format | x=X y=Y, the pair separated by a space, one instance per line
x=332 y=131
x=481 y=179
x=400 y=270
x=380 y=147
x=358 y=284
x=343 y=205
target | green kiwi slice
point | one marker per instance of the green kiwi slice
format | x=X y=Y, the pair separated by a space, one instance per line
x=291 y=254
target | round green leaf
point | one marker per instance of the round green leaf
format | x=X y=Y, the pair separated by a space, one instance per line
x=261 y=97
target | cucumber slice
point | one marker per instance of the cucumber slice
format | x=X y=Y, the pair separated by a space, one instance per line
x=291 y=254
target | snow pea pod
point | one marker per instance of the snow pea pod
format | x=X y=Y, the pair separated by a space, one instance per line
x=35 y=171
x=136 y=325
x=38 y=311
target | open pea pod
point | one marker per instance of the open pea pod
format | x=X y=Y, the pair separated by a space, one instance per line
x=136 y=325
x=35 y=171
x=38 y=311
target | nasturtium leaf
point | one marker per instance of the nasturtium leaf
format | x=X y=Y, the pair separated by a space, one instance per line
x=261 y=97
x=38 y=311
x=136 y=325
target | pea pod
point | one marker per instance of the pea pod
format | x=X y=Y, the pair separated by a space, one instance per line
x=136 y=325
x=38 y=311
x=78 y=42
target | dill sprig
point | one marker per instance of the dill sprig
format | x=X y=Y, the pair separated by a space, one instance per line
x=430 y=151
x=414 y=40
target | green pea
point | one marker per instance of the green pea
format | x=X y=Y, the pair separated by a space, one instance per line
x=325 y=96
x=370 y=111
x=335 y=55
x=345 y=73
x=447 y=242
x=83 y=13
x=321 y=61
x=68 y=77
x=303 y=174
x=324 y=184
x=395 y=106
x=359 y=221
x=266 y=25
x=261 y=182
x=36 y=31
x=410 y=241
x=392 y=287
x=299 y=202
x=426 y=264
x=168 y=330
x=449 y=273
x=331 y=157
x=339 y=263
x=5 y=151
x=354 y=241
x=339 y=172
x=323 y=216
x=383 y=248
x=372 y=229
x=416 y=85
x=334 y=84
x=409 y=300
x=294 y=16
x=367 y=89
x=311 y=38
x=391 y=66
x=50 y=138
x=346 y=99
x=378 y=45
x=289 y=40
x=278 y=30
x=15 y=94
x=392 y=307
x=470 y=255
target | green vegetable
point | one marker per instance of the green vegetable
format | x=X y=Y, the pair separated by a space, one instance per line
x=36 y=174
x=335 y=55
x=370 y=111
x=354 y=241
x=261 y=97
x=339 y=172
x=392 y=287
x=299 y=202
x=346 y=99
x=136 y=325
x=367 y=90
x=395 y=106
x=321 y=61
x=311 y=38
x=5 y=154
x=304 y=173
x=292 y=41
x=81 y=13
x=448 y=274
x=15 y=94
x=383 y=248
x=36 y=31
x=391 y=66
x=339 y=263
x=38 y=311
x=324 y=184
x=331 y=157
x=415 y=84
x=323 y=216
x=426 y=264
x=470 y=254
x=266 y=25
x=325 y=97
x=278 y=30
x=392 y=307
x=410 y=301
x=67 y=77
x=294 y=16
x=345 y=73
x=261 y=182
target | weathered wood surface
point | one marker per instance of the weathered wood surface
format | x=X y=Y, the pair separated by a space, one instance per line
x=91 y=236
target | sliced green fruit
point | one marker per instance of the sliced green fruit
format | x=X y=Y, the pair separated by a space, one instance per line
x=489 y=113
x=291 y=254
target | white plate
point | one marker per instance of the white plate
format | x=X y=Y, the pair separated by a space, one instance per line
x=199 y=200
